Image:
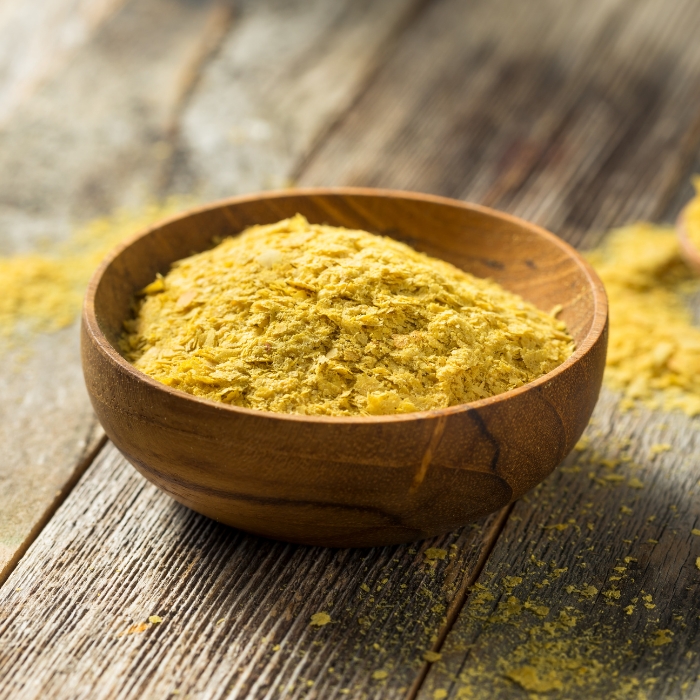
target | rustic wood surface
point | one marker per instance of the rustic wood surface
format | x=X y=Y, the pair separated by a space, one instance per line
x=577 y=116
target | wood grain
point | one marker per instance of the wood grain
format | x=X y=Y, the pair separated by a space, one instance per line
x=286 y=71
x=552 y=113
x=236 y=610
x=36 y=40
x=364 y=480
x=606 y=548
x=92 y=127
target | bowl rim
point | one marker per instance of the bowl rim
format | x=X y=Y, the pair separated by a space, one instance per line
x=596 y=330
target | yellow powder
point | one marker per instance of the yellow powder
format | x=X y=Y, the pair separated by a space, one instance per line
x=654 y=349
x=311 y=319
x=43 y=292
x=320 y=619
x=692 y=215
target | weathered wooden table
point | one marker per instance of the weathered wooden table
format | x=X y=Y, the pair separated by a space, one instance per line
x=577 y=115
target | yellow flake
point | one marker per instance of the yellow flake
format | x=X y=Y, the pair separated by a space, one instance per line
x=528 y=678
x=136 y=628
x=625 y=510
x=540 y=610
x=434 y=553
x=302 y=318
x=659 y=447
x=635 y=483
x=695 y=531
x=155 y=619
x=320 y=619
x=380 y=675
x=588 y=591
x=432 y=656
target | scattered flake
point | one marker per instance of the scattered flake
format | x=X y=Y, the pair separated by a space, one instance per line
x=528 y=678
x=276 y=647
x=567 y=620
x=661 y=637
x=440 y=694
x=302 y=318
x=432 y=656
x=625 y=510
x=320 y=619
x=635 y=483
x=43 y=292
x=695 y=531
x=629 y=609
x=364 y=587
x=628 y=560
x=481 y=597
x=512 y=581
x=697 y=563
x=136 y=628
x=612 y=594
x=614 y=478
x=434 y=553
x=588 y=591
x=540 y=610
x=220 y=621
x=155 y=619
x=380 y=675
x=658 y=448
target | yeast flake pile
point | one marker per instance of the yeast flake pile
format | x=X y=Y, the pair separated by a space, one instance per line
x=301 y=318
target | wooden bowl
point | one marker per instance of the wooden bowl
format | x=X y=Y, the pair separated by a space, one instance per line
x=357 y=481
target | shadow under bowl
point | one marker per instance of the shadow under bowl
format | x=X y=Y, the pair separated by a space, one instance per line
x=351 y=481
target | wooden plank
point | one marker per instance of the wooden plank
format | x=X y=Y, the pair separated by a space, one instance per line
x=236 y=610
x=82 y=146
x=36 y=40
x=286 y=72
x=552 y=113
x=593 y=588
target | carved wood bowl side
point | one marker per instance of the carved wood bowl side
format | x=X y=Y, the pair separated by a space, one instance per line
x=360 y=481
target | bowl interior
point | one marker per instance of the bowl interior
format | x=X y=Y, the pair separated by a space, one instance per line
x=519 y=256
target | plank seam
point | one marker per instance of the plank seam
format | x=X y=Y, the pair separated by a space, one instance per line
x=82 y=465
x=462 y=597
